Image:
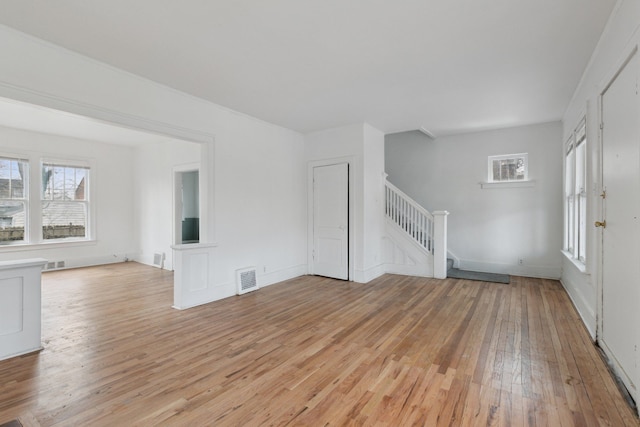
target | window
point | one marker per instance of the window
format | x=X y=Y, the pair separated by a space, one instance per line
x=14 y=204
x=65 y=201
x=508 y=168
x=575 y=193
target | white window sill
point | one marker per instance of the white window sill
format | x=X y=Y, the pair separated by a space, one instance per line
x=17 y=247
x=510 y=184
x=577 y=263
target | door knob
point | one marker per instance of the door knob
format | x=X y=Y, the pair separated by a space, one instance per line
x=602 y=224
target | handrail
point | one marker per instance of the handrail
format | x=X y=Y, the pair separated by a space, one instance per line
x=406 y=197
x=405 y=212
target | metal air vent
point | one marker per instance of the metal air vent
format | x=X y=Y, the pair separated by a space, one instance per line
x=246 y=280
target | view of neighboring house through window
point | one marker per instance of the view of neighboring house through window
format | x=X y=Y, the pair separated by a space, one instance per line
x=13 y=200
x=64 y=202
x=508 y=168
x=575 y=221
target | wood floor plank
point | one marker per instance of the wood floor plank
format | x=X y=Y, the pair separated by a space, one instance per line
x=309 y=351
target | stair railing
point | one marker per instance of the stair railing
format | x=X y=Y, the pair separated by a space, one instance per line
x=426 y=229
x=410 y=216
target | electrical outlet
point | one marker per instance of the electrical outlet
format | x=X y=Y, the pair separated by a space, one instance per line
x=520 y=261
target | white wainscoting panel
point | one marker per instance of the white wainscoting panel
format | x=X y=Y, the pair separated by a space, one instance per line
x=193 y=275
x=20 y=307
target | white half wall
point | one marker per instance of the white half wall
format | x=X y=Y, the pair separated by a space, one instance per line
x=488 y=229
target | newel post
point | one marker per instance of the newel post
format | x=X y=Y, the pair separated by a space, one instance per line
x=440 y=244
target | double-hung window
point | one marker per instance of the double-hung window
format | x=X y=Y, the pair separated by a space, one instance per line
x=575 y=194
x=65 y=201
x=14 y=200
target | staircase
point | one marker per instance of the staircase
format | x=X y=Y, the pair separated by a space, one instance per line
x=416 y=242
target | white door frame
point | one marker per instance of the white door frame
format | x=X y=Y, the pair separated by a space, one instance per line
x=627 y=54
x=350 y=160
x=629 y=51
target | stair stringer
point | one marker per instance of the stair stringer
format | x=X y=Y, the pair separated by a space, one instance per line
x=403 y=255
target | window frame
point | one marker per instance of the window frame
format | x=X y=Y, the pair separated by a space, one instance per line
x=575 y=195
x=33 y=216
x=491 y=159
x=25 y=199
x=86 y=202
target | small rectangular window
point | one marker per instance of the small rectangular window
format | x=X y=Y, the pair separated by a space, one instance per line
x=14 y=174
x=508 y=168
x=65 y=202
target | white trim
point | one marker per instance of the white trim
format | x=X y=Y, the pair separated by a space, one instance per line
x=277 y=276
x=351 y=161
x=538 y=271
x=4 y=86
x=630 y=49
x=369 y=274
x=22 y=263
x=574 y=282
x=102 y=114
x=176 y=212
x=507 y=184
x=576 y=262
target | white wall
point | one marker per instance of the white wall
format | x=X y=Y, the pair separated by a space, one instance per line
x=256 y=185
x=611 y=49
x=373 y=223
x=488 y=229
x=363 y=147
x=153 y=184
x=112 y=198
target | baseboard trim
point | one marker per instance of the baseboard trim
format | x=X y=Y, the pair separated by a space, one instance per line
x=537 y=271
x=267 y=279
x=409 y=270
x=87 y=261
x=579 y=300
x=365 y=276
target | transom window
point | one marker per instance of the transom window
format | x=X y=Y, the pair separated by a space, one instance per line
x=508 y=168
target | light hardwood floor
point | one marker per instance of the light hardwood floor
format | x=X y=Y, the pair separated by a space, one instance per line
x=310 y=351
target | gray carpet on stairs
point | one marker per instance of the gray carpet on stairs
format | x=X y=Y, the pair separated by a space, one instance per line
x=454 y=273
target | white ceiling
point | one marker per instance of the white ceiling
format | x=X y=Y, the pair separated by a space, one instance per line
x=447 y=65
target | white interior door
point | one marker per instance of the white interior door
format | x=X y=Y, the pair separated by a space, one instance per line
x=621 y=234
x=331 y=221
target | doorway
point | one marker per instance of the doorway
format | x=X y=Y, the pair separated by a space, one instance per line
x=620 y=297
x=186 y=205
x=330 y=253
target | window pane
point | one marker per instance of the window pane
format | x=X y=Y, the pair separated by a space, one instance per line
x=496 y=170
x=12 y=216
x=508 y=168
x=12 y=178
x=64 y=182
x=581 y=195
x=63 y=220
